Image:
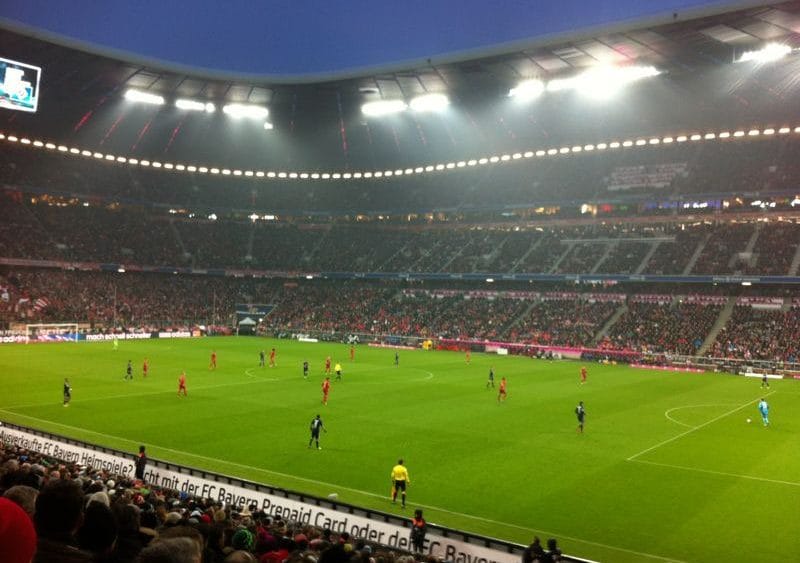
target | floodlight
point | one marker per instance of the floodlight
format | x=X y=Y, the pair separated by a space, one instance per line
x=383 y=107
x=527 y=90
x=245 y=110
x=429 y=102
x=38 y=144
x=602 y=81
x=25 y=141
x=770 y=52
x=268 y=126
x=194 y=105
x=144 y=97
x=782 y=130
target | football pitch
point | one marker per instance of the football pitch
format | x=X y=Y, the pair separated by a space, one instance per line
x=668 y=468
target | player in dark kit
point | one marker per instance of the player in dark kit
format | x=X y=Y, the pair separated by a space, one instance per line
x=316 y=426
x=396 y=359
x=67 y=392
x=490 y=381
x=129 y=371
x=141 y=462
x=261 y=358
x=305 y=369
x=764 y=381
x=580 y=412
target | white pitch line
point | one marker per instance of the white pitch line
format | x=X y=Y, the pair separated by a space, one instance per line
x=713 y=472
x=357 y=491
x=666 y=412
x=682 y=434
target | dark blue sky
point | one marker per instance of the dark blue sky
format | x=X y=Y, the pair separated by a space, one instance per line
x=295 y=37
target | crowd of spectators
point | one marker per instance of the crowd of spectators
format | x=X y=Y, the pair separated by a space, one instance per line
x=572 y=321
x=56 y=512
x=659 y=320
x=754 y=333
x=132 y=236
x=679 y=328
x=720 y=253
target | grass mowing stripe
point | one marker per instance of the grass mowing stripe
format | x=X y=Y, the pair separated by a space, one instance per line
x=713 y=472
x=365 y=493
x=147 y=394
x=682 y=434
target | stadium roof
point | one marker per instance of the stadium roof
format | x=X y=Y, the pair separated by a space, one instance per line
x=319 y=122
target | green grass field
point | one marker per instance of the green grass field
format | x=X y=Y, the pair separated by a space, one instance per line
x=668 y=468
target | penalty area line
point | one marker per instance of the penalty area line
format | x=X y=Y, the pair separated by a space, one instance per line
x=713 y=472
x=695 y=428
x=349 y=489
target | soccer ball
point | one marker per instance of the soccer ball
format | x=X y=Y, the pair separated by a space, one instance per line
x=749 y=421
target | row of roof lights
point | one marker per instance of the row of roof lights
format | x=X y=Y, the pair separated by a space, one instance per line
x=424 y=103
x=553 y=151
x=236 y=111
x=598 y=82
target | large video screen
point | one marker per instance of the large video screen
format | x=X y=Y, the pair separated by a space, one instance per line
x=19 y=85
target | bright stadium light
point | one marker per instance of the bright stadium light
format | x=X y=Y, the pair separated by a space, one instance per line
x=245 y=110
x=603 y=81
x=268 y=126
x=144 y=97
x=527 y=90
x=429 y=102
x=769 y=53
x=383 y=107
x=194 y=105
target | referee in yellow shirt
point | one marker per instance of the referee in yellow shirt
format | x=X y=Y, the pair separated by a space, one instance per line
x=399 y=482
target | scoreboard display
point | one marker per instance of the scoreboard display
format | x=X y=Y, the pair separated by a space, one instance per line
x=19 y=85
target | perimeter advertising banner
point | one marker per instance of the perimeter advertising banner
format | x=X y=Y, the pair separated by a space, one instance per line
x=392 y=535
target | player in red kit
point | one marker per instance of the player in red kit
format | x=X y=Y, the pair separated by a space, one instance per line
x=213 y=363
x=468 y=355
x=583 y=375
x=272 y=358
x=501 y=396
x=352 y=352
x=182 y=384
x=326 y=388
x=328 y=365
x=145 y=367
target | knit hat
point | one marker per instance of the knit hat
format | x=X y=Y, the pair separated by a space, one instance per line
x=17 y=535
x=243 y=539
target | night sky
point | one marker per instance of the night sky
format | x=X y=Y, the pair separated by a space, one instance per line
x=296 y=37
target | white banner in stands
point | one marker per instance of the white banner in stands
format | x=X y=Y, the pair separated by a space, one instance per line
x=449 y=549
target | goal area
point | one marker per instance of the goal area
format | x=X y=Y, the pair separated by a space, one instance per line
x=51 y=332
